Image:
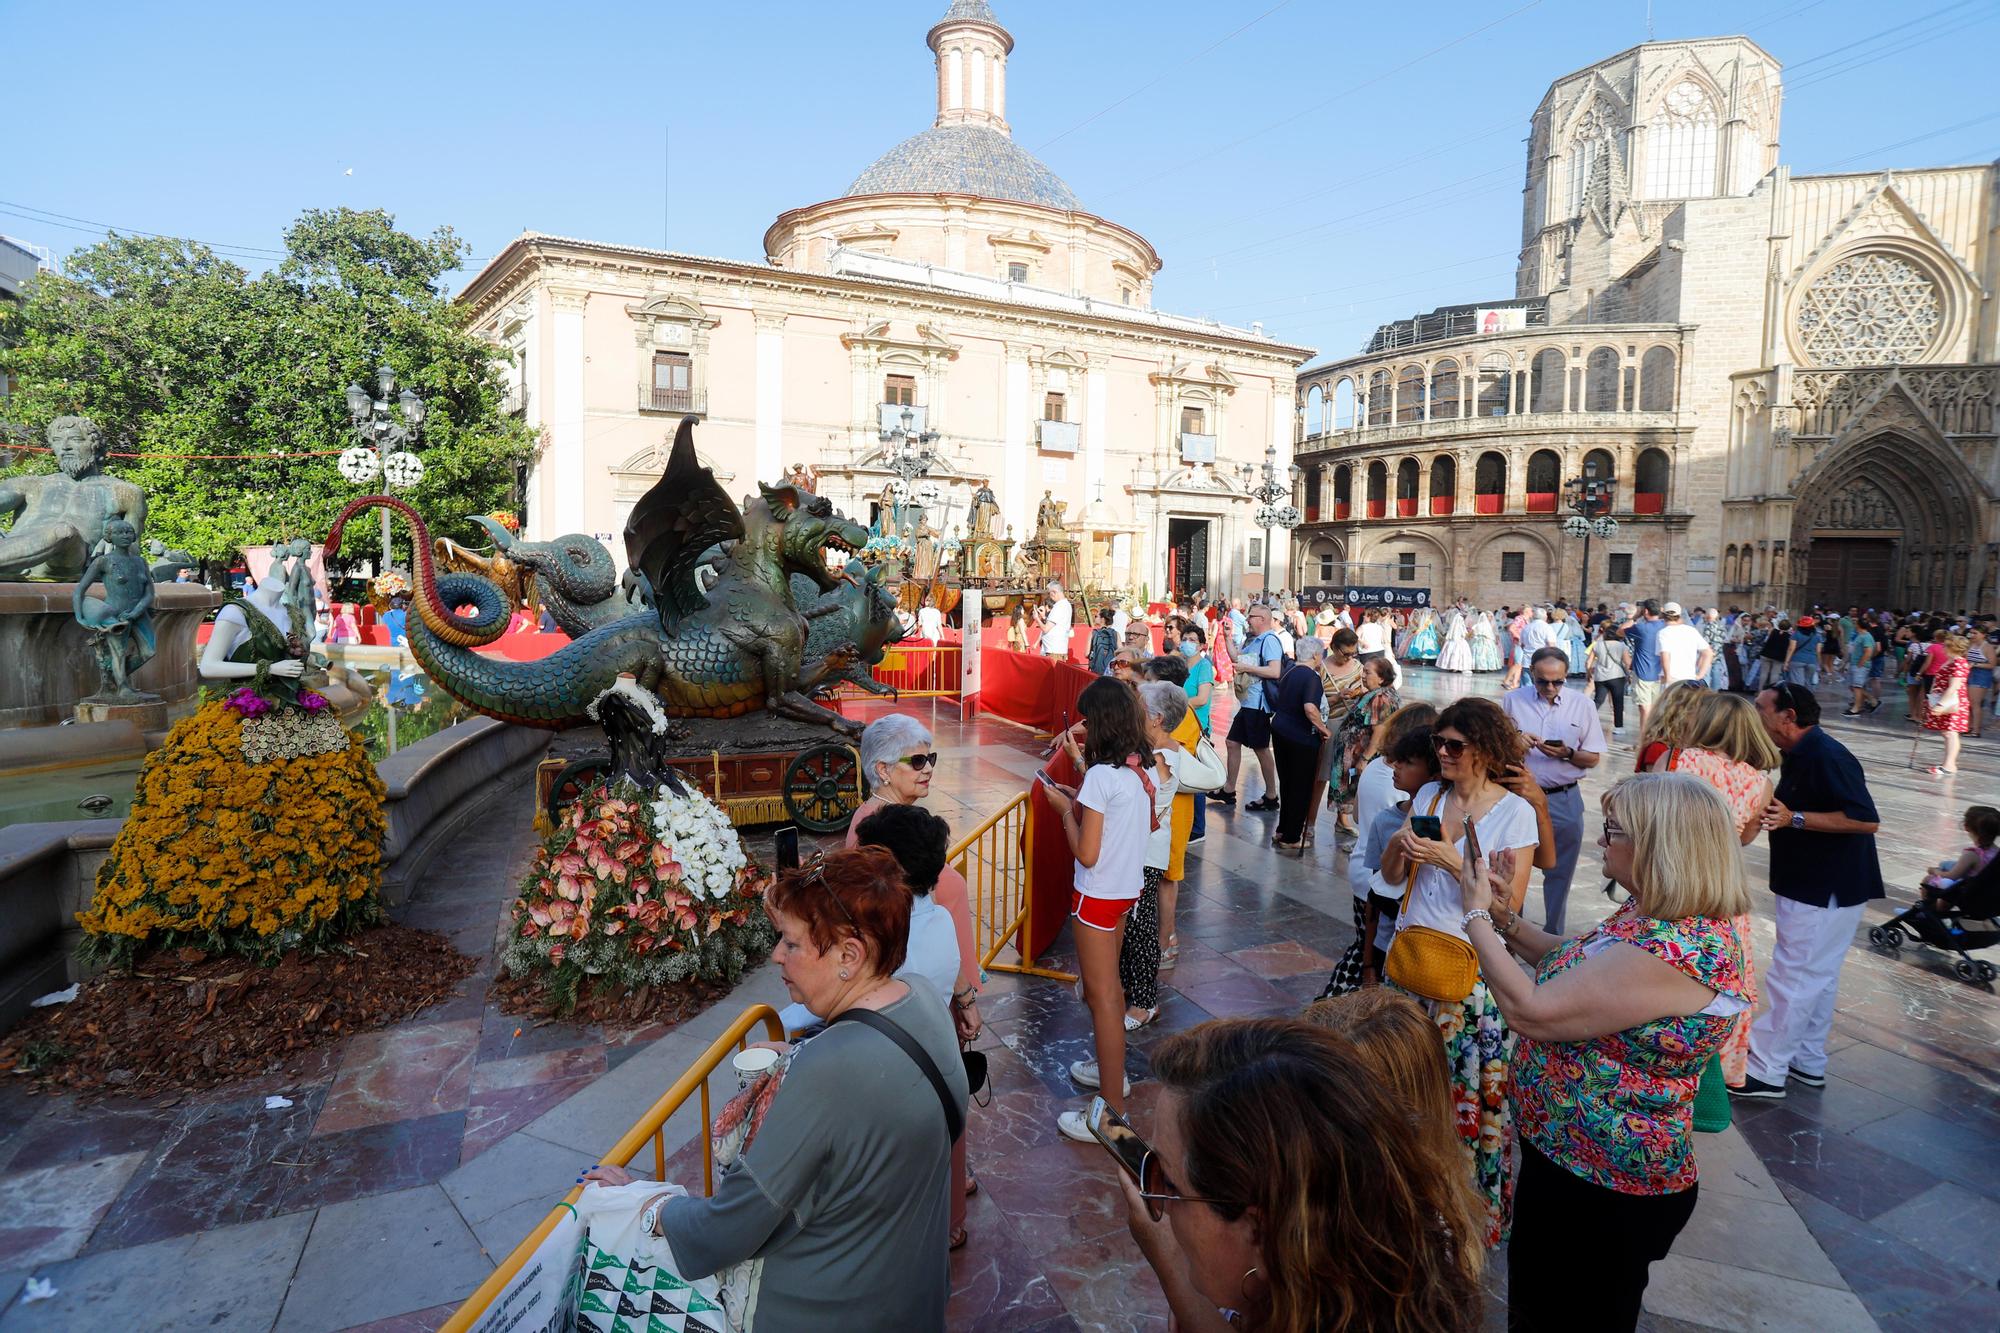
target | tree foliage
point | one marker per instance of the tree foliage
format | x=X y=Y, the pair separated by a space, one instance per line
x=173 y=349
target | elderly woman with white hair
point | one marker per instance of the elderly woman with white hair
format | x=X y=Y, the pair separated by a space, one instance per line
x=1297 y=731
x=898 y=758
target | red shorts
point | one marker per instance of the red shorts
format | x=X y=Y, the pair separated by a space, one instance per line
x=1098 y=913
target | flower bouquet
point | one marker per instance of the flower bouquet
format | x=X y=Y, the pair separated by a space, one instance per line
x=632 y=890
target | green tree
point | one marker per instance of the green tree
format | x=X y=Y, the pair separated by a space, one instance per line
x=175 y=350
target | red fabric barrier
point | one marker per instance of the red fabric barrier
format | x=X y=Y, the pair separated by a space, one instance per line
x=1053 y=870
x=527 y=647
x=1018 y=686
x=1066 y=684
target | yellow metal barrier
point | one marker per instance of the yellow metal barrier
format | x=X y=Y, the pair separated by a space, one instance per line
x=996 y=859
x=919 y=671
x=649 y=1126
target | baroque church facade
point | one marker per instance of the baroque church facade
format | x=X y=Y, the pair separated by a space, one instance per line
x=1789 y=380
x=958 y=288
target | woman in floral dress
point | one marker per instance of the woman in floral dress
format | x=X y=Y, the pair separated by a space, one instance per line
x=1948 y=681
x=1728 y=748
x=1604 y=1091
x=1358 y=735
x=1476 y=744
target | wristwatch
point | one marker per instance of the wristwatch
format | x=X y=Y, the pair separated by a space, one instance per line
x=1798 y=819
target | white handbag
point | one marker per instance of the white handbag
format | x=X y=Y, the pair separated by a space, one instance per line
x=1200 y=770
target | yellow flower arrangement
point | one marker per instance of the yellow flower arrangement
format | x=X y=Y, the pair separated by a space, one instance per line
x=233 y=856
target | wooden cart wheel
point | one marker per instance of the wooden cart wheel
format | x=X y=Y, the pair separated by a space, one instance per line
x=578 y=778
x=823 y=788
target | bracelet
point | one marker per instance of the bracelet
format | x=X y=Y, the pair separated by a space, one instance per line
x=1476 y=914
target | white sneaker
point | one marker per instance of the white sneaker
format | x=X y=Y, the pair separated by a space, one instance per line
x=1084 y=1074
x=1072 y=1125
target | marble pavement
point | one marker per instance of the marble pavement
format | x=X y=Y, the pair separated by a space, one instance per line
x=412 y=1159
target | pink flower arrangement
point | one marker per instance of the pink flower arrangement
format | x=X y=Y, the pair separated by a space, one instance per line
x=313 y=702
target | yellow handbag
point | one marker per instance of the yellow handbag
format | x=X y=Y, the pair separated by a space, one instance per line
x=1431 y=963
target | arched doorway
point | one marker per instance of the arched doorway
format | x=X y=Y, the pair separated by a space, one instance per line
x=1887 y=522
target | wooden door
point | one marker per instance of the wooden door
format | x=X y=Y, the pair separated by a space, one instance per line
x=1850 y=571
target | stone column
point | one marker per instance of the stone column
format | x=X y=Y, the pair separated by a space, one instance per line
x=564 y=463
x=770 y=394
x=1016 y=502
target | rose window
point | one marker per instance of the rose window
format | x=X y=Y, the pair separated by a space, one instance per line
x=1871 y=309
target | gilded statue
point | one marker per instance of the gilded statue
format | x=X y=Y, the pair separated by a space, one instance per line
x=59 y=517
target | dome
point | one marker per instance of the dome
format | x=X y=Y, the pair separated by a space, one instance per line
x=965 y=159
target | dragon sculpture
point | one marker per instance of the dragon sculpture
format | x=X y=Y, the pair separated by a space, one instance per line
x=573 y=576
x=861 y=612
x=723 y=652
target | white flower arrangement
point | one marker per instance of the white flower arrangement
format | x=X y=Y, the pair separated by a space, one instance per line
x=700 y=837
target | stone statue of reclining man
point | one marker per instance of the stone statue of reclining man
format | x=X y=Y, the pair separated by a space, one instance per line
x=59 y=517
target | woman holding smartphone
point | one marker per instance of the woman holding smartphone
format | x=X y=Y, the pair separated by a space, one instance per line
x=1476 y=743
x=1108 y=822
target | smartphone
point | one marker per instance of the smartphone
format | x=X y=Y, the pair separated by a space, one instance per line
x=787 y=847
x=1471 y=840
x=1119 y=1139
x=1427 y=826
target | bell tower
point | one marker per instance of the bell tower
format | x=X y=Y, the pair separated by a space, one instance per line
x=971 y=49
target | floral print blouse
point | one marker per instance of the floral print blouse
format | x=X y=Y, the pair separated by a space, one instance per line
x=1617 y=1110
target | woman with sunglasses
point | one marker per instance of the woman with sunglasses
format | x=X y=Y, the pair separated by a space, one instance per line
x=1288 y=1185
x=1476 y=745
x=1615 y=1026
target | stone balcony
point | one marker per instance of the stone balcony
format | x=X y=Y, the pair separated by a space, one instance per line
x=1453 y=429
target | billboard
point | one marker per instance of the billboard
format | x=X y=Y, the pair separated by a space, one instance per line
x=1385 y=594
x=1511 y=320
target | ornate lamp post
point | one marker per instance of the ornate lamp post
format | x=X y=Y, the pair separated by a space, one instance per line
x=910 y=457
x=1274 y=505
x=385 y=441
x=1590 y=496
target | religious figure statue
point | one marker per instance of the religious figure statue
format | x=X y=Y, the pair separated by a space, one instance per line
x=1049 y=519
x=59 y=517
x=805 y=477
x=985 y=520
x=923 y=551
x=121 y=621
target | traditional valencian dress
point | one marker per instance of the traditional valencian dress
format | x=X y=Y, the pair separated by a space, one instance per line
x=1423 y=644
x=1485 y=644
x=1456 y=655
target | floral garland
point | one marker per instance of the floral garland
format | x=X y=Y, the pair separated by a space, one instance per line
x=637 y=891
x=230 y=853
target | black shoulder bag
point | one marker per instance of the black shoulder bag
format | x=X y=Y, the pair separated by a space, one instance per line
x=954 y=1119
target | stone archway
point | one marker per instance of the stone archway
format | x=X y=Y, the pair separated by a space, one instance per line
x=1886 y=521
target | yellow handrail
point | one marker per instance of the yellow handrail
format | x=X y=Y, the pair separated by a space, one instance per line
x=649 y=1126
x=997 y=860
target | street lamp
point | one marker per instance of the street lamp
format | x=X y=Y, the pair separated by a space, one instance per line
x=1590 y=496
x=385 y=441
x=1274 y=506
x=910 y=456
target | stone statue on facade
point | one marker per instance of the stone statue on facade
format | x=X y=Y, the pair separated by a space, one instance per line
x=804 y=476
x=120 y=622
x=59 y=517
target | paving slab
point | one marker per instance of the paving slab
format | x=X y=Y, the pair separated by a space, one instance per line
x=233 y=1277
x=375 y=1258
x=51 y=1212
x=1721 y=1295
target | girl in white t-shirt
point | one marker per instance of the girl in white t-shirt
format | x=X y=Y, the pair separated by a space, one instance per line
x=1108 y=822
x=1475 y=744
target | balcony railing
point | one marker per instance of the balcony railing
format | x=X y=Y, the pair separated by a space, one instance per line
x=1197 y=448
x=1406 y=508
x=1649 y=502
x=1343 y=509
x=1488 y=504
x=1377 y=508
x=1541 y=502
x=674 y=400
x=1459 y=427
x=1441 y=504
x=1058 y=437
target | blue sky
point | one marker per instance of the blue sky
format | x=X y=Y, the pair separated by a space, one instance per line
x=1320 y=167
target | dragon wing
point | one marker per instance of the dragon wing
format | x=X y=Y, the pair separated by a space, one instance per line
x=685 y=514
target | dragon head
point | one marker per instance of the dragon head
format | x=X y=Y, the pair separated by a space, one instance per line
x=809 y=527
x=574 y=565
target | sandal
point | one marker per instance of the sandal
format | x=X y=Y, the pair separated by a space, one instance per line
x=971 y=1183
x=1170 y=953
x=1134 y=1024
x=958 y=1239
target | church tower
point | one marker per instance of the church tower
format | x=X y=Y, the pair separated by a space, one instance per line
x=972 y=50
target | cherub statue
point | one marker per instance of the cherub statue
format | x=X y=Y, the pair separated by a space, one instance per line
x=121 y=621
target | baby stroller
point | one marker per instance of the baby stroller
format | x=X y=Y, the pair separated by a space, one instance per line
x=1976 y=898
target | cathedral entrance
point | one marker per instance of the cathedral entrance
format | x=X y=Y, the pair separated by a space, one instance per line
x=1851 y=571
x=1187 y=556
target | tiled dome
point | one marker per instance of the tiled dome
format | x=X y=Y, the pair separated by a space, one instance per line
x=965 y=159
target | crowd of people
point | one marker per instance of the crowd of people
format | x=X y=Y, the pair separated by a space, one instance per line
x=1475 y=1073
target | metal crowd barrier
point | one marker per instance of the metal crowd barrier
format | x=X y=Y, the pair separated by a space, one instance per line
x=997 y=860
x=922 y=671
x=650 y=1126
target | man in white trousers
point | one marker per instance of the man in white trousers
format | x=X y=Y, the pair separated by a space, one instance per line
x=1822 y=824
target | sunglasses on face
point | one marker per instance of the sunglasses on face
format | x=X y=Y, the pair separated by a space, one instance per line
x=814 y=872
x=1446 y=745
x=919 y=762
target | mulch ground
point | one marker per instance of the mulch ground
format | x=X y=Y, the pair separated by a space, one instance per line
x=181 y=1020
x=613 y=1007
